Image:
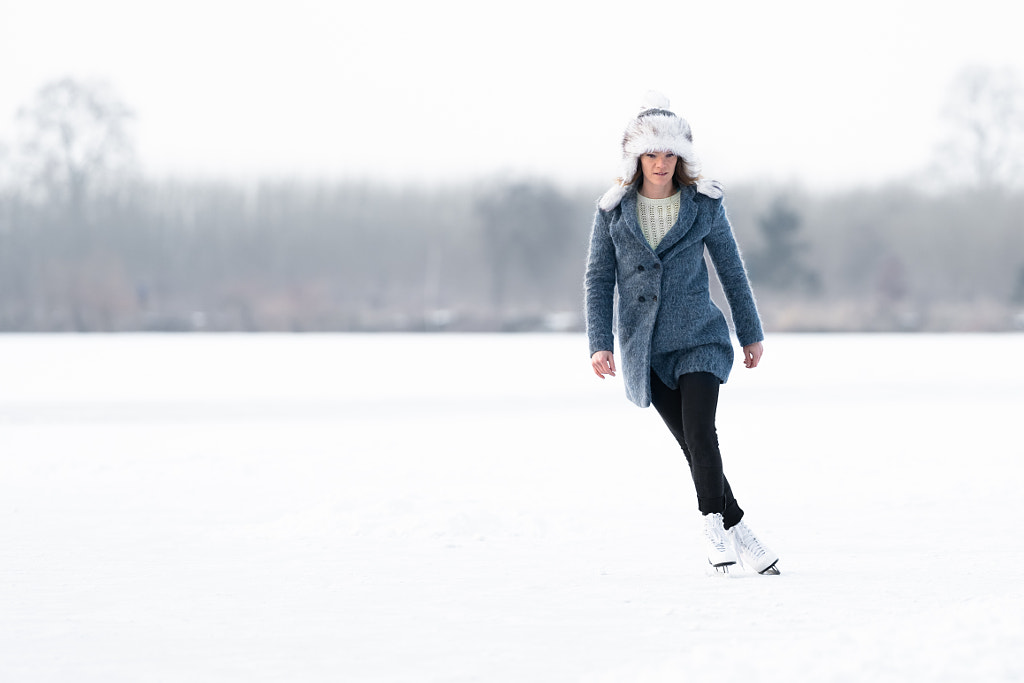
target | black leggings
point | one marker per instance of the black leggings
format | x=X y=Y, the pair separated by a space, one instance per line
x=689 y=413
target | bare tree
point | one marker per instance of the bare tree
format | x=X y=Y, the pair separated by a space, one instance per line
x=985 y=112
x=75 y=141
x=779 y=263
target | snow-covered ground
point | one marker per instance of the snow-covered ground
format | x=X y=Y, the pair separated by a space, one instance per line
x=482 y=508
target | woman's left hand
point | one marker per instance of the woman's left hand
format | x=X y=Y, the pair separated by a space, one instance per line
x=752 y=354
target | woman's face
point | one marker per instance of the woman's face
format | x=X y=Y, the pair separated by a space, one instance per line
x=658 y=168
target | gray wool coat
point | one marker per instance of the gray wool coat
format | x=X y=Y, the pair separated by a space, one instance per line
x=666 y=318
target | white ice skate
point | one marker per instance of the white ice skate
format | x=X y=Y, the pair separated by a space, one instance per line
x=721 y=549
x=752 y=552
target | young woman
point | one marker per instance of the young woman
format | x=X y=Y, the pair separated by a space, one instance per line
x=650 y=233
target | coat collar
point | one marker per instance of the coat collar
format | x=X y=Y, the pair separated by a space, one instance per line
x=687 y=214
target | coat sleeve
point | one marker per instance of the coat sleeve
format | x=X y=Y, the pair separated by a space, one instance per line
x=725 y=255
x=600 y=286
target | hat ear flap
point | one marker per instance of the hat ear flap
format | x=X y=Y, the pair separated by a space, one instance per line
x=710 y=188
x=612 y=197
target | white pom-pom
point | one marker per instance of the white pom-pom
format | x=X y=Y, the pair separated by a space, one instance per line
x=654 y=100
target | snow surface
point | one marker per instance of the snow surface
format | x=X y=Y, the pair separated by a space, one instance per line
x=482 y=508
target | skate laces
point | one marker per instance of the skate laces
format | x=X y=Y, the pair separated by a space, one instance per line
x=748 y=541
x=715 y=532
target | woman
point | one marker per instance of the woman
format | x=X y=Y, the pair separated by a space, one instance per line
x=649 y=236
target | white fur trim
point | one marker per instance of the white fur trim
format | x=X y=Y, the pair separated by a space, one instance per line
x=658 y=133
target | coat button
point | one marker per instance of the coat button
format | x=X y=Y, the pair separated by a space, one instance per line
x=641 y=299
x=655 y=297
x=657 y=266
x=640 y=268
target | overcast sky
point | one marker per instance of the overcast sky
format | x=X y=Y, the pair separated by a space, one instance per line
x=824 y=94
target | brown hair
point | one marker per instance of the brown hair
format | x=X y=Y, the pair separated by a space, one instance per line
x=681 y=177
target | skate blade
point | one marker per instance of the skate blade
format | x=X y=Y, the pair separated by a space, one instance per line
x=773 y=570
x=720 y=569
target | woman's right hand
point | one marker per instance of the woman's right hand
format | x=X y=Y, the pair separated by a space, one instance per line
x=604 y=363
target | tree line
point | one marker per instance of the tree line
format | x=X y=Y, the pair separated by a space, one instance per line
x=86 y=244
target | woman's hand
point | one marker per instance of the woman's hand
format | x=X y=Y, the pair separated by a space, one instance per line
x=752 y=354
x=604 y=363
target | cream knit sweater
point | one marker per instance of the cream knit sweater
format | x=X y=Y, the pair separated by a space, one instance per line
x=656 y=216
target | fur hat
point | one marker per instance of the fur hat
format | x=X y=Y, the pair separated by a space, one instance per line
x=656 y=129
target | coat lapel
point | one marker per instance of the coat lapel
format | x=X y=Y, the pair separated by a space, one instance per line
x=629 y=218
x=682 y=229
x=687 y=215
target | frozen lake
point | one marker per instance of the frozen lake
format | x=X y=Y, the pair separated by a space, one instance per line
x=482 y=508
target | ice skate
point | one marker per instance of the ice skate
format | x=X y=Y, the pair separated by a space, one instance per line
x=721 y=549
x=752 y=552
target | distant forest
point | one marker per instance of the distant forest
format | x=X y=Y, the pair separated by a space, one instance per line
x=88 y=246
